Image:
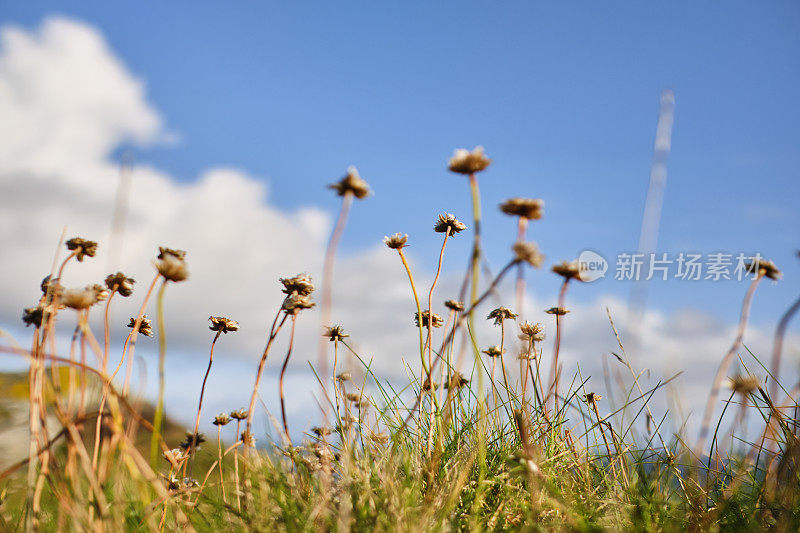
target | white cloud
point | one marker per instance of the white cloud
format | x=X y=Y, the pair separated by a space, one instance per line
x=67 y=101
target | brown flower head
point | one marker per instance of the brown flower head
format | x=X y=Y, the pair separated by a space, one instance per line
x=527 y=252
x=335 y=333
x=396 y=241
x=145 y=328
x=171 y=264
x=743 y=385
x=454 y=305
x=220 y=323
x=221 y=419
x=532 y=332
x=353 y=397
x=560 y=311
x=320 y=431
x=592 y=398
x=437 y=321
x=83 y=298
x=351 y=184
x=449 y=222
x=300 y=284
x=294 y=303
x=568 y=270
x=344 y=376
x=240 y=414
x=52 y=285
x=457 y=381
x=764 y=267
x=192 y=440
x=500 y=314
x=466 y=162
x=82 y=248
x=33 y=315
x=248 y=439
x=493 y=351
x=530 y=208
x=120 y=283
x=174 y=455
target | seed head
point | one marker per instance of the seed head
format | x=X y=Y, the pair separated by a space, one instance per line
x=457 y=381
x=248 y=439
x=82 y=248
x=454 y=305
x=221 y=419
x=592 y=398
x=171 y=264
x=448 y=221
x=120 y=283
x=527 y=252
x=145 y=328
x=532 y=332
x=500 y=314
x=568 y=270
x=466 y=162
x=353 y=397
x=241 y=414
x=344 y=376
x=379 y=438
x=33 y=315
x=335 y=333
x=294 y=303
x=560 y=311
x=192 y=440
x=743 y=385
x=300 y=284
x=220 y=323
x=83 y=298
x=351 y=183
x=52 y=285
x=437 y=321
x=493 y=351
x=396 y=241
x=529 y=208
x=764 y=268
x=321 y=431
x=174 y=455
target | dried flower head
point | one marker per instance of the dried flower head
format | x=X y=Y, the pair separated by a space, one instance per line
x=454 y=305
x=379 y=438
x=437 y=321
x=248 y=439
x=591 y=398
x=560 y=311
x=449 y=222
x=145 y=328
x=300 y=284
x=294 y=303
x=190 y=483
x=83 y=298
x=351 y=184
x=500 y=314
x=173 y=483
x=764 y=267
x=335 y=333
x=82 y=248
x=743 y=385
x=171 y=264
x=532 y=332
x=457 y=381
x=396 y=241
x=568 y=270
x=33 y=315
x=120 y=283
x=529 y=208
x=175 y=455
x=192 y=440
x=240 y=414
x=321 y=431
x=527 y=252
x=222 y=419
x=51 y=285
x=344 y=376
x=220 y=323
x=353 y=397
x=428 y=385
x=494 y=351
x=466 y=162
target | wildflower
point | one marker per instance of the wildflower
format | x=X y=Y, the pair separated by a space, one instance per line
x=294 y=303
x=82 y=248
x=449 y=222
x=335 y=333
x=174 y=455
x=33 y=315
x=500 y=314
x=120 y=283
x=353 y=397
x=344 y=376
x=743 y=385
x=396 y=241
x=591 y=398
x=493 y=351
x=241 y=414
x=220 y=323
x=171 y=264
x=426 y=386
x=352 y=184
x=560 y=311
x=221 y=419
x=437 y=321
x=457 y=381
x=529 y=208
x=145 y=328
x=192 y=440
x=173 y=483
x=532 y=332
x=454 y=305
x=321 y=431
x=248 y=439
x=466 y=162
x=568 y=270
x=50 y=284
x=190 y=483
x=765 y=268
x=527 y=252
x=83 y=298
x=300 y=284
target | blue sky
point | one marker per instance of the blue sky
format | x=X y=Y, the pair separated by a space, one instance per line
x=564 y=98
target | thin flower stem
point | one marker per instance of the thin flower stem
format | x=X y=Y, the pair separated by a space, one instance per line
x=236 y=468
x=429 y=340
x=554 y=373
x=335 y=361
x=777 y=346
x=202 y=391
x=280 y=380
x=273 y=333
x=219 y=453
x=162 y=356
x=416 y=301
x=502 y=359
x=522 y=226
x=131 y=346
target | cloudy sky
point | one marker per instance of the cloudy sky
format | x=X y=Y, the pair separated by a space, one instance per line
x=236 y=120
